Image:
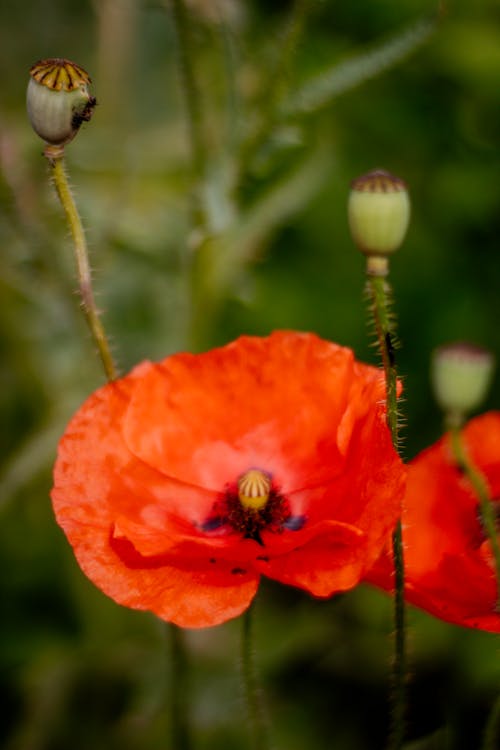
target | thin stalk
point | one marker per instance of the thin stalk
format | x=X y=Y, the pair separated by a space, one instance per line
x=291 y=38
x=178 y=689
x=491 y=740
x=278 y=85
x=480 y=488
x=60 y=180
x=253 y=695
x=233 y=102
x=186 y=53
x=379 y=292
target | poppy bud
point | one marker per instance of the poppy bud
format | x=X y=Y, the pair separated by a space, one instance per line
x=58 y=99
x=461 y=375
x=378 y=212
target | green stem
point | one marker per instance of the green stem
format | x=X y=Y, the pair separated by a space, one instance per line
x=289 y=46
x=56 y=161
x=380 y=297
x=399 y=666
x=233 y=102
x=491 y=739
x=179 y=689
x=379 y=293
x=480 y=488
x=278 y=85
x=253 y=695
x=186 y=53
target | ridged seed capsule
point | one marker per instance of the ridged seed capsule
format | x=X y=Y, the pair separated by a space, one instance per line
x=254 y=488
x=379 y=213
x=58 y=99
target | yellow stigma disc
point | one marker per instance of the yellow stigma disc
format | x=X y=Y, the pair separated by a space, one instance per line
x=253 y=489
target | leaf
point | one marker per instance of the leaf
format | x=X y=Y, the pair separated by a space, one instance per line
x=287 y=197
x=319 y=91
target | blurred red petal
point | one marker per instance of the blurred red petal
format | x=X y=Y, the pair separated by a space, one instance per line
x=448 y=571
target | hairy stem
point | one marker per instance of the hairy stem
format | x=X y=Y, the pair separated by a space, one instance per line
x=291 y=38
x=278 y=85
x=481 y=490
x=253 y=695
x=186 y=54
x=379 y=294
x=491 y=739
x=60 y=180
x=178 y=689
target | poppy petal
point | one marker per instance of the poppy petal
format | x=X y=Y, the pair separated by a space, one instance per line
x=329 y=563
x=251 y=418
x=448 y=565
x=191 y=594
x=145 y=483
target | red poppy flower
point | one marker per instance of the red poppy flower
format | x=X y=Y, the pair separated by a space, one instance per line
x=448 y=561
x=182 y=483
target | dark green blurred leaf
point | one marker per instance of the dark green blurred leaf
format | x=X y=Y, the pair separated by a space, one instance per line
x=344 y=76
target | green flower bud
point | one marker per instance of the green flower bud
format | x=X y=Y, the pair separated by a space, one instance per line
x=461 y=374
x=58 y=99
x=379 y=213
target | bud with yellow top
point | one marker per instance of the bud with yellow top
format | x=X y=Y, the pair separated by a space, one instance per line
x=58 y=100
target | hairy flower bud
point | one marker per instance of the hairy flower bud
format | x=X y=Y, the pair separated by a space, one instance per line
x=461 y=374
x=58 y=99
x=378 y=212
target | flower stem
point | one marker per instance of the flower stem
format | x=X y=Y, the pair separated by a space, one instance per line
x=379 y=294
x=291 y=38
x=253 y=695
x=481 y=490
x=278 y=85
x=191 y=87
x=55 y=158
x=199 y=213
x=178 y=689
x=492 y=731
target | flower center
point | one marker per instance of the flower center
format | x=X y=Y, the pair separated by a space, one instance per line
x=251 y=505
x=254 y=488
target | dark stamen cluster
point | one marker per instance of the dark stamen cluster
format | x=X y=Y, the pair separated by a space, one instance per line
x=229 y=512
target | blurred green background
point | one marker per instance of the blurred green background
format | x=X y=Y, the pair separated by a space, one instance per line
x=249 y=236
